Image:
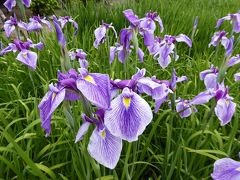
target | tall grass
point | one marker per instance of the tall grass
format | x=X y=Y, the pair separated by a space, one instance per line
x=170 y=148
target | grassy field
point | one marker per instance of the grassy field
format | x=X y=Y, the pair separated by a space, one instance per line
x=170 y=148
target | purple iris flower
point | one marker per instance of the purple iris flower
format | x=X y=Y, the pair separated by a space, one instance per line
x=64 y=20
x=235 y=20
x=167 y=87
x=129 y=114
x=104 y=147
x=60 y=36
x=226 y=168
x=25 y=56
x=148 y=23
x=65 y=89
x=81 y=56
x=101 y=32
x=95 y=87
x=225 y=108
x=163 y=48
x=9 y=4
x=226 y=42
x=10 y=25
x=36 y=24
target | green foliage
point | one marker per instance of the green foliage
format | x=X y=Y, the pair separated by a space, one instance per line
x=44 y=7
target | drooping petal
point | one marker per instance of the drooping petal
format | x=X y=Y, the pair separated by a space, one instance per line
x=140 y=54
x=9 y=4
x=11 y=47
x=158 y=103
x=47 y=106
x=202 y=98
x=96 y=88
x=159 y=20
x=224 y=110
x=148 y=38
x=226 y=168
x=34 y=26
x=82 y=131
x=220 y=21
x=184 y=38
x=105 y=148
x=129 y=116
x=29 y=58
x=122 y=55
x=112 y=53
x=236 y=22
x=8 y=28
x=164 y=58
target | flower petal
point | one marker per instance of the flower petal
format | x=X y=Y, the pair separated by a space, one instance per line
x=226 y=168
x=29 y=58
x=96 y=88
x=82 y=131
x=224 y=110
x=129 y=116
x=105 y=148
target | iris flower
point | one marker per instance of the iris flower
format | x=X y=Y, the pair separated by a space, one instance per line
x=25 y=56
x=81 y=56
x=10 y=25
x=101 y=32
x=130 y=113
x=9 y=4
x=227 y=43
x=95 y=87
x=104 y=147
x=226 y=168
x=163 y=48
x=64 y=20
x=36 y=24
x=233 y=18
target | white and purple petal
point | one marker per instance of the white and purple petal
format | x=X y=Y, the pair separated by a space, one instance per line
x=226 y=169
x=224 y=110
x=105 y=148
x=28 y=58
x=129 y=116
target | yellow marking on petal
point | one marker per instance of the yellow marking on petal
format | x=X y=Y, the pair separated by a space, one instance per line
x=24 y=55
x=90 y=79
x=227 y=102
x=103 y=134
x=184 y=104
x=126 y=102
x=53 y=96
x=238 y=169
x=148 y=21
